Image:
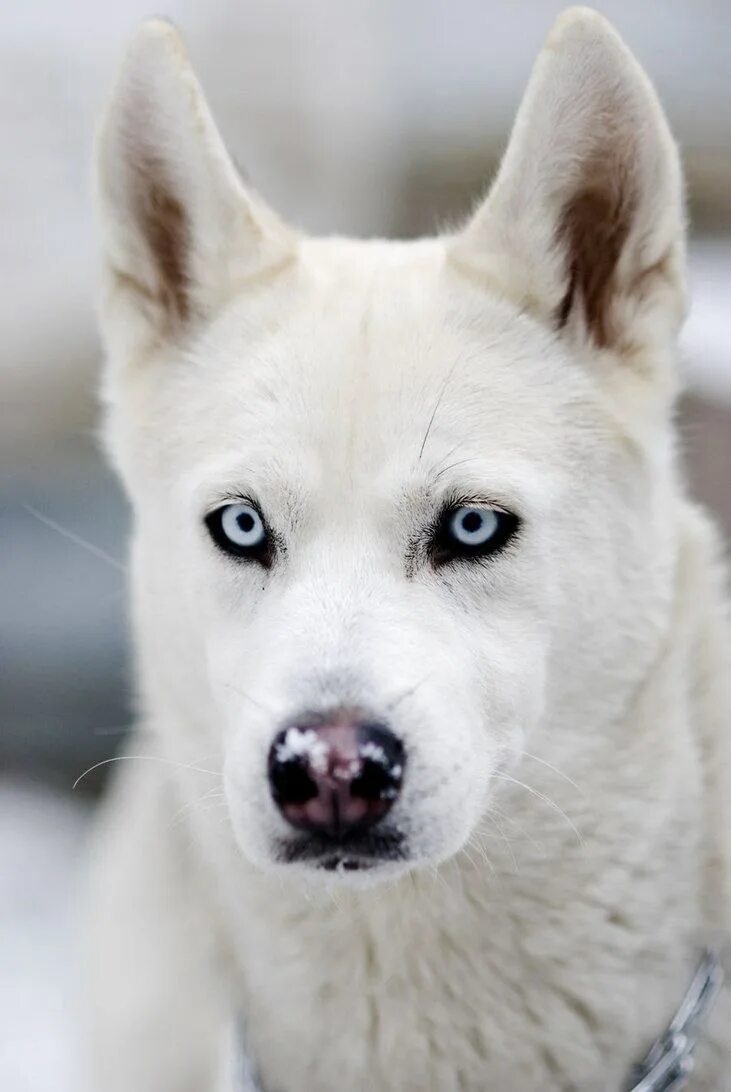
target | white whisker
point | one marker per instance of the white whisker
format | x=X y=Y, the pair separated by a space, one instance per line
x=474 y=844
x=248 y=697
x=554 y=769
x=543 y=798
x=505 y=839
x=391 y=705
x=525 y=834
x=145 y=758
x=214 y=793
x=72 y=536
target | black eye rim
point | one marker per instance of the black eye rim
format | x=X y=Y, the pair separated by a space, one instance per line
x=263 y=552
x=444 y=548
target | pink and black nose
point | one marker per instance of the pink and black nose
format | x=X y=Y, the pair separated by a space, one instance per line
x=337 y=776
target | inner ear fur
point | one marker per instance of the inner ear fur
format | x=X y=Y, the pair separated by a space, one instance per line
x=166 y=228
x=593 y=229
x=180 y=230
x=584 y=225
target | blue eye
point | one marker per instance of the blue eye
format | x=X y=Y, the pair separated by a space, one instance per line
x=473 y=526
x=239 y=529
x=242 y=525
x=472 y=531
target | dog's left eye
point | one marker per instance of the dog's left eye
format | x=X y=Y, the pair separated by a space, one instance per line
x=239 y=529
x=469 y=531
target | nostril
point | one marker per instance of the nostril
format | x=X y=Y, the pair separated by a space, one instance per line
x=374 y=783
x=291 y=782
x=290 y=773
x=382 y=765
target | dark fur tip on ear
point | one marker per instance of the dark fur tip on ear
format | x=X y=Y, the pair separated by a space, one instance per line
x=592 y=230
x=143 y=183
x=166 y=226
x=179 y=227
x=584 y=225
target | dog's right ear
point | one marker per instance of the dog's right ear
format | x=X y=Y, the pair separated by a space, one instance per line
x=180 y=230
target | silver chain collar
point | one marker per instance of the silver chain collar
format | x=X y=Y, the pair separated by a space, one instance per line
x=665 y=1068
x=669 y=1062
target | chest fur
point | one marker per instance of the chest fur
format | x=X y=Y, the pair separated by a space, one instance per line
x=453 y=983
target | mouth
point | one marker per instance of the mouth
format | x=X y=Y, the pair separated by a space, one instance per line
x=355 y=854
x=345 y=864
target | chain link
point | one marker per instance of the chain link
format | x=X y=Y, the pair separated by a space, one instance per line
x=669 y=1063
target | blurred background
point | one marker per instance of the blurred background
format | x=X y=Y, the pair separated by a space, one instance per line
x=359 y=116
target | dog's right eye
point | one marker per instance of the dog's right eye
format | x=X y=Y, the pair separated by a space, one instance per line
x=239 y=529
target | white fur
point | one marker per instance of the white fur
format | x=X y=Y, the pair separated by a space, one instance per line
x=565 y=708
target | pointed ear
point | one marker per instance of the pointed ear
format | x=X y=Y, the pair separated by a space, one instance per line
x=584 y=225
x=179 y=228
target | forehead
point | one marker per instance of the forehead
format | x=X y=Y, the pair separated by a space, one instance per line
x=378 y=359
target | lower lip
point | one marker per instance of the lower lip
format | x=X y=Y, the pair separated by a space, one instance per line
x=344 y=864
x=357 y=855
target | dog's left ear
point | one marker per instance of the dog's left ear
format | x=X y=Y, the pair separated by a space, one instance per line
x=584 y=224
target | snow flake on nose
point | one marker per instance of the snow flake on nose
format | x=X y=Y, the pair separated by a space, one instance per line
x=304 y=743
x=374 y=753
x=341 y=756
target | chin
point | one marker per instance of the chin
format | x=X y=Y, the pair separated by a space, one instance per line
x=344 y=872
x=362 y=858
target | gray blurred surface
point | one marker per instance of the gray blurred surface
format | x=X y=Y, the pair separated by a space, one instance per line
x=63 y=662
x=42 y=844
x=705 y=440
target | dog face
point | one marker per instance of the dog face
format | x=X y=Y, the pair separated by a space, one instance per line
x=399 y=507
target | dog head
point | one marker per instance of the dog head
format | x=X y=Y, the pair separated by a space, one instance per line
x=399 y=507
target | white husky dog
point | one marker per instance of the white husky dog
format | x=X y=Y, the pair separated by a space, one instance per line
x=433 y=663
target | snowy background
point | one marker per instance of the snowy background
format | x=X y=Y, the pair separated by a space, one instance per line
x=368 y=116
